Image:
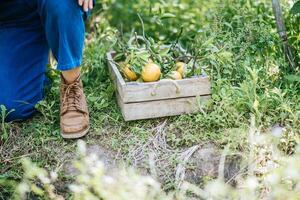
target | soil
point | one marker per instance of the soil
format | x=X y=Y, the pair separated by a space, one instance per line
x=202 y=164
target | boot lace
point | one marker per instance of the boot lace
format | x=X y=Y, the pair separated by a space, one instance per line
x=72 y=96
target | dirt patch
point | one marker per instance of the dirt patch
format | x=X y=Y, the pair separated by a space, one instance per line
x=194 y=164
x=206 y=163
x=108 y=157
x=169 y=165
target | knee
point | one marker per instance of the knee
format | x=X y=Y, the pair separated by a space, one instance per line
x=63 y=10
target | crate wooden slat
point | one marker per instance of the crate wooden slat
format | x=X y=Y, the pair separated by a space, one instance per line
x=165 y=89
x=160 y=108
x=158 y=99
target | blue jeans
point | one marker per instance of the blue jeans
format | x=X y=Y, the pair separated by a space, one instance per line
x=28 y=30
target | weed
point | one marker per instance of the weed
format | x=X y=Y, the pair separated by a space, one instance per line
x=4 y=126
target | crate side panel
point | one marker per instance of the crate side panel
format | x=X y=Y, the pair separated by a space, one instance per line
x=115 y=75
x=160 y=108
x=166 y=89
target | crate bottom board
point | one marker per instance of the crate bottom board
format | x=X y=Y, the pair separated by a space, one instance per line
x=160 y=108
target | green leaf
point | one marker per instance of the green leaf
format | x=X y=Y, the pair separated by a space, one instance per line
x=2 y=107
x=164 y=51
x=292 y=78
x=167 y=15
x=296 y=8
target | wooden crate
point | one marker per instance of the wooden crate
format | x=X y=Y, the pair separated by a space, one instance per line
x=158 y=99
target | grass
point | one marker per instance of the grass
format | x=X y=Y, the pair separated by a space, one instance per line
x=245 y=63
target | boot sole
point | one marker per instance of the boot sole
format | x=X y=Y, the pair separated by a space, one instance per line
x=75 y=135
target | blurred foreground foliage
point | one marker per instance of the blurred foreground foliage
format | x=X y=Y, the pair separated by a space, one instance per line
x=270 y=175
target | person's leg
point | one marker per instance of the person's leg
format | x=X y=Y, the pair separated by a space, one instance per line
x=64 y=29
x=71 y=75
x=23 y=58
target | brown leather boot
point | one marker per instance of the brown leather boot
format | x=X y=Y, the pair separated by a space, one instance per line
x=74 y=115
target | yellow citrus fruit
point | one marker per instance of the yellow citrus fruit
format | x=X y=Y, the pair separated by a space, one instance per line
x=175 y=75
x=151 y=72
x=181 y=67
x=128 y=73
